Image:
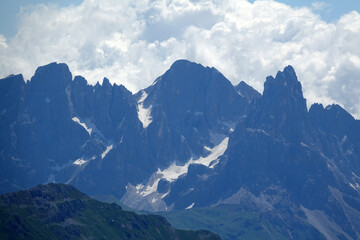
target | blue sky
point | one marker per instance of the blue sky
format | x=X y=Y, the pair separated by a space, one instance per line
x=133 y=42
x=331 y=9
x=10 y=8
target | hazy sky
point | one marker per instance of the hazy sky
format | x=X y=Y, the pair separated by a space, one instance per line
x=133 y=42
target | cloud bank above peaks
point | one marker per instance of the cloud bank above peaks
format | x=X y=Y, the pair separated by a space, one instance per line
x=133 y=42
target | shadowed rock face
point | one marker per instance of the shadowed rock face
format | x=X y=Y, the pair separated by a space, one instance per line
x=269 y=148
x=187 y=103
x=340 y=121
x=53 y=121
x=187 y=88
x=189 y=140
x=282 y=109
x=247 y=91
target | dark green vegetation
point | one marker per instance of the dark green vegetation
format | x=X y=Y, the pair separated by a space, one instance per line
x=111 y=199
x=58 y=211
x=233 y=222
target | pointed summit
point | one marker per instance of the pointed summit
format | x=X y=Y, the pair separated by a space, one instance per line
x=282 y=110
x=247 y=91
x=283 y=84
x=284 y=92
x=106 y=83
x=184 y=104
x=190 y=88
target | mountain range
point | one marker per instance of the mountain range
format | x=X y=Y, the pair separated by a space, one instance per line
x=191 y=140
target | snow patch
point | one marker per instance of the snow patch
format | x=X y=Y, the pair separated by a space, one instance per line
x=79 y=162
x=149 y=188
x=239 y=92
x=152 y=202
x=191 y=206
x=146 y=197
x=82 y=161
x=355 y=187
x=77 y=120
x=107 y=150
x=164 y=195
x=144 y=114
x=174 y=171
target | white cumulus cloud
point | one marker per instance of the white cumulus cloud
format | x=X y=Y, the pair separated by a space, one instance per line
x=2 y=41
x=319 y=5
x=133 y=42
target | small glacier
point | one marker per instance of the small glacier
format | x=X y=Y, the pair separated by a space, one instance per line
x=82 y=161
x=144 y=114
x=191 y=206
x=148 y=198
x=107 y=150
x=77 y=120
x=174 y=171
x=149 y=188
x=79 y=162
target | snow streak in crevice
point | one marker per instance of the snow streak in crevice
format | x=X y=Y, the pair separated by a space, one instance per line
x=144 y=114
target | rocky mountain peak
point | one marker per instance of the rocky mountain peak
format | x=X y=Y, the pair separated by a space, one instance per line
x=106 y=83
x=284 y=91
x=186 y=84
x=186 y=74
x=11 y=79
x=80 y=80
x=247 y=91
x=53 y=74
x=181 y=63
x=11 y=86
x=333 y=118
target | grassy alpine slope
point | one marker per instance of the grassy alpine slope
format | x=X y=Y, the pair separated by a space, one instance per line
x=59 y=211
x=234 y=222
